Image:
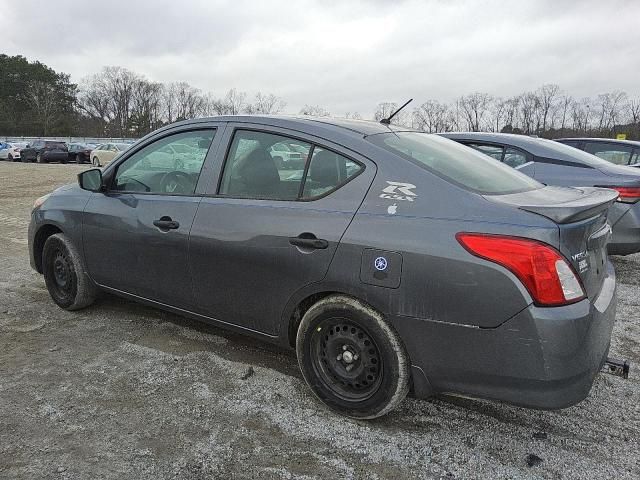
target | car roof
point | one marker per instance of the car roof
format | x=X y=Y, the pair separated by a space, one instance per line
x=540 y=147
x=296 y=122
x=603 y=140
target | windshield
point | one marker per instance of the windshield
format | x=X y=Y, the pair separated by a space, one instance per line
x=456 y=163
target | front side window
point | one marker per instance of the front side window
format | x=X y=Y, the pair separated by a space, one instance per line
x=255 y=169
x=618 y=154
x=158 y=168
x=455 y=163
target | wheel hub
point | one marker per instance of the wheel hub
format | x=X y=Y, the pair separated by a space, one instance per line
x=348 y=360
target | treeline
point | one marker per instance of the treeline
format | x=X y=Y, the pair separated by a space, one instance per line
x=547 y=112
x=116 y=102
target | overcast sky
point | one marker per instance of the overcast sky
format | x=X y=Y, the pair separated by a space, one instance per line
x=342 y=55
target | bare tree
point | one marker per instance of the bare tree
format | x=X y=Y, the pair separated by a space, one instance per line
x=474 y=108
x=547 y=97
x=266 y=104
x=564 y=107
x=314 y=111
x=43 y=98
x=353 y=115
x=633 y=109
x=432 y=116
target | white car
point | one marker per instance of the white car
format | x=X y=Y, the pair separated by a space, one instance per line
x=11 y=151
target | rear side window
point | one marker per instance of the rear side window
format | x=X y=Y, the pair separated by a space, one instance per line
x=618 y=154
x=263 y=165
x=327 y=171
x=491 y=150
x=456 y=163
x=514 y=158
x=635 y=158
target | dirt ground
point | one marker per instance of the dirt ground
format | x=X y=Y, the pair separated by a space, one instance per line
x=124 y=391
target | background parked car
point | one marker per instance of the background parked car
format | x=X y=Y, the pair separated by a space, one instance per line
x=554 y=163
x=287 y=155
x=620 y=152
x=80 y=152
x=11 y=151
x=106 y=152
x=45 y=151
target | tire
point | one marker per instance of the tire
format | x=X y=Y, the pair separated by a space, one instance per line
x=65 y=274
x=39 y=158
x=374 y=379
x=10 y=157
x=95 y=162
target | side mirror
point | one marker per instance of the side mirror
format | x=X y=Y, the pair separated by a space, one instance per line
x=91 y=180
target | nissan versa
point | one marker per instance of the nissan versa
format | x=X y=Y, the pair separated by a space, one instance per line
x=390 y=260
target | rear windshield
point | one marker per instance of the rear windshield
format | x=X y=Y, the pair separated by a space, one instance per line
x=574 y=153
x=456 y=163
x=56 y=144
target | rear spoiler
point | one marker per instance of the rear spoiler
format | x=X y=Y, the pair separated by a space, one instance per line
x=591 y=203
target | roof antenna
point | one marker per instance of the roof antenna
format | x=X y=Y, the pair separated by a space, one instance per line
x=387 y=121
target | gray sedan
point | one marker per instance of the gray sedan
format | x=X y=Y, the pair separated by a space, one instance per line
x=390 y=260
x=553 y=163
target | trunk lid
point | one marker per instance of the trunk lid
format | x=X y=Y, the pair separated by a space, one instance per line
x=581 y=216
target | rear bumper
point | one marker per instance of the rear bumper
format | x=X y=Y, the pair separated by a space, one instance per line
x=543 y=358
x=626 y=233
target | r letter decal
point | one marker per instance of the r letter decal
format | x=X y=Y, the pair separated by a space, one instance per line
x=399 y=191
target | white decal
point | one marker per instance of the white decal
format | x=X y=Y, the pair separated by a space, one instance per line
x=399 y=191
x=391 y=210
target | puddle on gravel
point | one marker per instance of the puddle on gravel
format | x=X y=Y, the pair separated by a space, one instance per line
x=173 y=345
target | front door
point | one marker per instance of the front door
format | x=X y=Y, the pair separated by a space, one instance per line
x=136 y=235
x=272 y=228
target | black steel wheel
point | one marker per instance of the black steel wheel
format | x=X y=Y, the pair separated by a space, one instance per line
x=65 y=275
x=346 y=359
x=351 y=358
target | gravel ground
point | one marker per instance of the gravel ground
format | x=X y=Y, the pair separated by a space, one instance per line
x=120 y=390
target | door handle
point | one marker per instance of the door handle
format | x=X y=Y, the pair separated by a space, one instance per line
x=166 y=224
x=309 y=241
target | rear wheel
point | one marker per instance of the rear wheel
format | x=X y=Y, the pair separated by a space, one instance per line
x=10 y=157
x=95 y=162
x=39 y=158
x=65 y=274
x=351 y=358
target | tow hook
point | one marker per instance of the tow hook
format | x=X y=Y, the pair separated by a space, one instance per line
x=619 y=368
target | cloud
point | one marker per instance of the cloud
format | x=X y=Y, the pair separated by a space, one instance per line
x=345 y=56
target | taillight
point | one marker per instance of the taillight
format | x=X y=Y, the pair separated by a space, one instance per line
x=542 y=269
x=627 y=194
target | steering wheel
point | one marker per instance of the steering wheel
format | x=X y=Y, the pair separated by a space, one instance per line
x=176 y=182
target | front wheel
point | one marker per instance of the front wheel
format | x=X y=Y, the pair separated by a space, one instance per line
x=39 y=158
x=65 y=274
x=95 y=162
x=351 y=358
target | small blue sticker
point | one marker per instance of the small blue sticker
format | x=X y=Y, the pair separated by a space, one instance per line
x=380 y=263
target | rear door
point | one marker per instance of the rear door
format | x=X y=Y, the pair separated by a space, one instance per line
x=136 y=234
x=270 y=228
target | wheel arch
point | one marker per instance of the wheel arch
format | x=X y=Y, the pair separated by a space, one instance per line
x=39 y=239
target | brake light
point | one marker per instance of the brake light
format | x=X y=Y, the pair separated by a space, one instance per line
x=627 y=194
x=542 y=269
